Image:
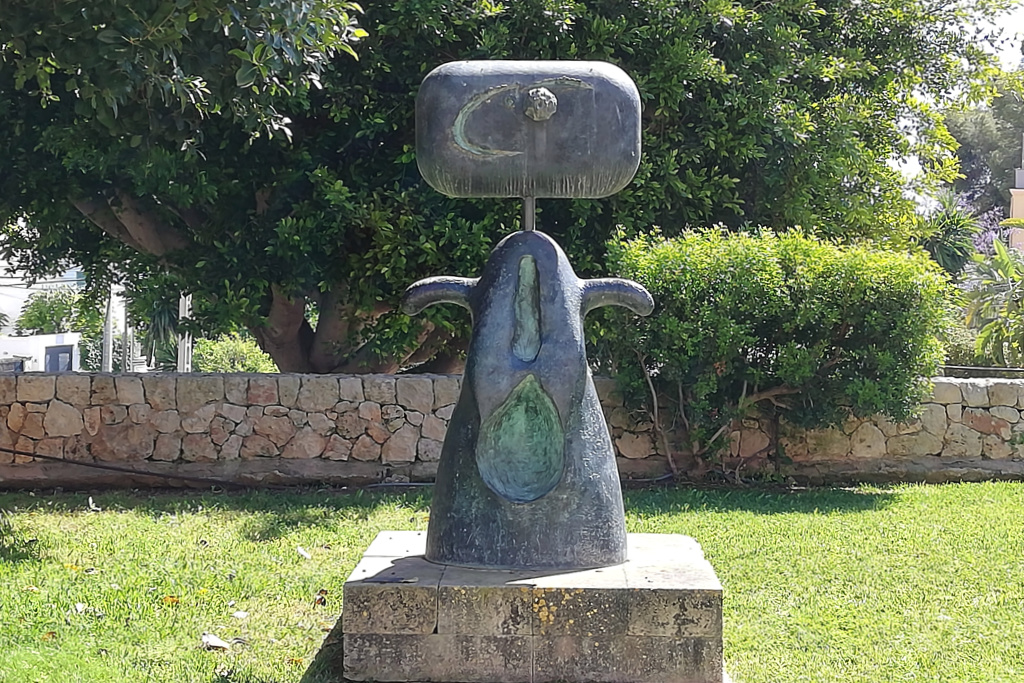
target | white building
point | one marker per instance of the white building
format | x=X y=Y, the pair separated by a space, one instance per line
x=40 y=353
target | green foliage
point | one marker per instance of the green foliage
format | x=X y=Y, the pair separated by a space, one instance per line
x=130 y=64
x=990 y=144
x=68 y=310
x=774 y=114
x=1012 y=223
x=948 y=233
x=781 y=324
x=994 y=300
x=54 y=311
x=960 y=344
x=230 y=353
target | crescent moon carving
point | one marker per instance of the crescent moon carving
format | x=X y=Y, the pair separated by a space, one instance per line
x=459 y=127
x=475 y=102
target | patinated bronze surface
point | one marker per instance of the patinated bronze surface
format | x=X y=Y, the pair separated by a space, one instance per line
x=528 y=129
x=527 y=477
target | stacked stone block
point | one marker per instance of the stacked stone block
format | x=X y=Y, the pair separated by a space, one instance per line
x=970 y=429
x=658 y=617
x=379 y=426
x=205 y=418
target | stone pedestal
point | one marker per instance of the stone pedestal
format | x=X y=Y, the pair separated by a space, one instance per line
x=657 y=618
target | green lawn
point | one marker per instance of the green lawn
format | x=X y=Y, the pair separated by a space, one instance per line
x=916 y=583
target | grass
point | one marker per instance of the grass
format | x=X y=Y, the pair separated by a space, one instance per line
x=917 y=583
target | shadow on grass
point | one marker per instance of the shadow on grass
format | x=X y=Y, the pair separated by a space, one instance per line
x=270 y=514
x=14 y=547
x=233 y=677
x=274 y=514
x=758 y=500
x=328 y=666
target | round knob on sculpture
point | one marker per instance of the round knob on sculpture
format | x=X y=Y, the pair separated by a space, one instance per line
x=542 y=104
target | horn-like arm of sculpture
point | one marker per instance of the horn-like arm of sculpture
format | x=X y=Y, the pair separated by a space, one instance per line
x=437 y=290
x=613 y=291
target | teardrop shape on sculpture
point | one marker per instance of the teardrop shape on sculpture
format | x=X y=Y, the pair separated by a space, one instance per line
x=520 y=451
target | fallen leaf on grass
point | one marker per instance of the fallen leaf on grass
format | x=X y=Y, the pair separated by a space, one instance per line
x=171 y=600
x=304 y=552
x=295 y=661
x=321 y=597
x=212 y=642
x=49 y=635
x=72 y=567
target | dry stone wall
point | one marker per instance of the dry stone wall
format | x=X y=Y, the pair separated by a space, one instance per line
x=971 y=429
x=358 y=429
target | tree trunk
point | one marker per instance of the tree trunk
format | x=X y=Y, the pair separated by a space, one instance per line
x=286 y=335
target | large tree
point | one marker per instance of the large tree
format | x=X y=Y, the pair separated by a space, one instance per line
x=991 y=144
x=182 y=140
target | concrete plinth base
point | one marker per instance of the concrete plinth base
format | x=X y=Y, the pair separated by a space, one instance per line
x=655 y=619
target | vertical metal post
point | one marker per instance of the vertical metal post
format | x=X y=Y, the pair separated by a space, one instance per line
x=184 y=338
x=107 y=353
x=529 y=213
x=126 y=342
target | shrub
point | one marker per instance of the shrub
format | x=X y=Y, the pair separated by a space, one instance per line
x=783 y=325
x=960 y=343
x=949 y=233
x=230 y=353
x=995 y=296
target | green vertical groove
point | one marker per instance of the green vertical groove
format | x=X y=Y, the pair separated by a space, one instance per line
x=526 y=307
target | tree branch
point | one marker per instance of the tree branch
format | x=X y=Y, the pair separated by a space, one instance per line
x=99 y=212
x=771 y=395
x=155 y=236
x=337 y=330
x=440 y=353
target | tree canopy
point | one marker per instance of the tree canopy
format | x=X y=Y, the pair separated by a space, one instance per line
x=237 y=152
x=991 y=144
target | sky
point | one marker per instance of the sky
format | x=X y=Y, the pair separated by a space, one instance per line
x=1010 y=54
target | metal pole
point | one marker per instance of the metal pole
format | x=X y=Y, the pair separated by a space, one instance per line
x=107 y=353
x=184 y=338
x=126 y=342
x=529 y=213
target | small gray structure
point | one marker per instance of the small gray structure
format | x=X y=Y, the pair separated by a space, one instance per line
x=526 y=573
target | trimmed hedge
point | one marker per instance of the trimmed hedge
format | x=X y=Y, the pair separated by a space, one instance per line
x=779 y=325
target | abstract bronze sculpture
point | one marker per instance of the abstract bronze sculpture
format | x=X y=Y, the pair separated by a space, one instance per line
x=527 y=477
